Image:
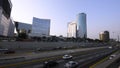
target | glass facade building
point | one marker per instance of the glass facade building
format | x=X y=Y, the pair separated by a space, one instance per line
x=40 y=27
x=11 y=28
x=6 y=7
x=5 y=21
x=72 y=29
x=23 y=27
x=81 y=25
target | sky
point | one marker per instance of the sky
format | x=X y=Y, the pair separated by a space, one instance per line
x=101 y=14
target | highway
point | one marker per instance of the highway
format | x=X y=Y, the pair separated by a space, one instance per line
x=109 y=62
x=33 y=55
x=83 y=58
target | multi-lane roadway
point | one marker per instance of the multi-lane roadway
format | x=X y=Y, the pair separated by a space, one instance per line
x=85 y=58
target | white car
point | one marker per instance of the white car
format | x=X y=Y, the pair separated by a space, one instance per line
x=110 y=47
x=112 y=56
x=71 y=64
x=65 y=57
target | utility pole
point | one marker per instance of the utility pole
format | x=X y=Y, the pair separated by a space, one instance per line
x=113 y=35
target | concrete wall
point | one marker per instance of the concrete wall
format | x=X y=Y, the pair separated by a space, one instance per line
x=34 y=45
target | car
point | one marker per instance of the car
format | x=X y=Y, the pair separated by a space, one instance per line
x=71 y=64
x=58 y=47
x=65 y=57
x=64 y=47
x=9 y=52
x=3 y=49
x=110 y=47
x=112 y=56
x=38 y=49
x=50 y=64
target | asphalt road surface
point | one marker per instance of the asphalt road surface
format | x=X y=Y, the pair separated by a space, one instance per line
x=82 y=59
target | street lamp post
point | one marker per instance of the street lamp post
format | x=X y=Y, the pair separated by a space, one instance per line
x=113 y=35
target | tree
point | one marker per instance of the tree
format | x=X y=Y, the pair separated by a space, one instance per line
x=22 y=36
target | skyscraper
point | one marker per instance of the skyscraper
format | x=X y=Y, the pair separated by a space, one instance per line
x=72 y=29
x=81 y=25
x=40 y=27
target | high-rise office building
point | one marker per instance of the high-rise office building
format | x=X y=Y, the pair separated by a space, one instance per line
x=72 y=29
x=104 y=36
x=23 y=27
x=5 y=20
x=107 y=36
x=40 y=27
x=81 y=25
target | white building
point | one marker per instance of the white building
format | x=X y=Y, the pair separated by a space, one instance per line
x=40 y=27
x=72 y=29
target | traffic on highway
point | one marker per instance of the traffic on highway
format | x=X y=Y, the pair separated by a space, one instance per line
x=77 y=60
x=71 y=58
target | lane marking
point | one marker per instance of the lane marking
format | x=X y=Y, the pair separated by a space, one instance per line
x=100 y=61
x=28 y=62
x=94 y=65
x=33 y=61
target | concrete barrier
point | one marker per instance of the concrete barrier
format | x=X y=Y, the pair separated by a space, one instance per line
x=9 y=60
x=34 y=45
